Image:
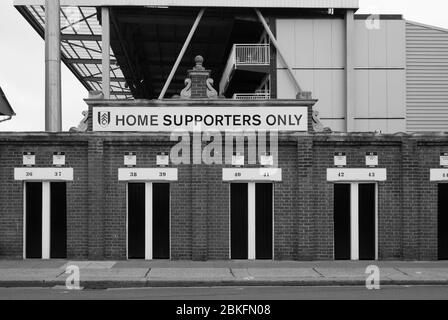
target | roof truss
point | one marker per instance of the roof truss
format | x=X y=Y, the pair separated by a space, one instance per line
x=81 y=46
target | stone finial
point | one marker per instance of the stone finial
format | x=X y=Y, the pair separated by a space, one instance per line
x=199 y=60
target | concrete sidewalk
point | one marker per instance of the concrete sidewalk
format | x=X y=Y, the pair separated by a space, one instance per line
x=127 y=274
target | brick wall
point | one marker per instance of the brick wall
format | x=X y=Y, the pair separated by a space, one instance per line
x=303 y=201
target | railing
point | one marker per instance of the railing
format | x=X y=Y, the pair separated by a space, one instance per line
x=252 y=54
x=259 y=95
x=245 y=55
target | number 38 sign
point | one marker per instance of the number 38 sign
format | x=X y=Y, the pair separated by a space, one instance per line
x=147 y=174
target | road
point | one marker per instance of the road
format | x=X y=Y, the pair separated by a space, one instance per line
x=231 y=293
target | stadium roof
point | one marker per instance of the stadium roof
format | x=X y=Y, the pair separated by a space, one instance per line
x=5 y=107
x=81 y=37
x=353 y=4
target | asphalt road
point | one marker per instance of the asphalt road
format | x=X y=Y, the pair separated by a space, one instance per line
x=230 y=293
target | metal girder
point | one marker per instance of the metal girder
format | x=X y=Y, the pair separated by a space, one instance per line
x=88 y=61
x=99 y=79
x=181 y=54
x=80 y=37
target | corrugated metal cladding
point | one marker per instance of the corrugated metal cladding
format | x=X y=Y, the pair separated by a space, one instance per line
x=207 y=3
x=427 y=78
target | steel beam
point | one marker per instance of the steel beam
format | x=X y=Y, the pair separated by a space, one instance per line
x=100 y=79
x=181 y=54
x=80 y=37
x=350 y=84
x=53 y=100
x=89 y=61
x=279 y=50
x=105 y=45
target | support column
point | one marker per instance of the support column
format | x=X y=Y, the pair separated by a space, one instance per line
x=46 y=224
x=148 y=222
x=354 y=221
x=53 y=101
x=251 y=221
x=350 y=71
x=105 y=45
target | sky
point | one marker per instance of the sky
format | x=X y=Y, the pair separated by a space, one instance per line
x=22 y=68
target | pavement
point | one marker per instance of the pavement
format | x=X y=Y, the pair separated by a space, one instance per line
x=147 y=274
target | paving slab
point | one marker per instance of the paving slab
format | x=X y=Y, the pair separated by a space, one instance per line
x=29 y=274
x=190 y=274
x=31 y=264
x=275 y=273
x=426 y=273
x=346 y=273
x=132 y=274
x=90 y=264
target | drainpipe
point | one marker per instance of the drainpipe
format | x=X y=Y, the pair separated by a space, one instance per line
x=53 y=101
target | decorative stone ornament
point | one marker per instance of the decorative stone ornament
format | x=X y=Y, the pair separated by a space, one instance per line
x=198 y=84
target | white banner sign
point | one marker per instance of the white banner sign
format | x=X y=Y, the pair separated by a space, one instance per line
x=353 y=175
x=147 y=174
x=252 y=174
x=439 y=175
x=168 y=119
x=43 y=174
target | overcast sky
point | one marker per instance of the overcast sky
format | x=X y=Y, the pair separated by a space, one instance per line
x=22 y=61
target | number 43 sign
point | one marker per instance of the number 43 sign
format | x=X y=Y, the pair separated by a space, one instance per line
x=353 y=175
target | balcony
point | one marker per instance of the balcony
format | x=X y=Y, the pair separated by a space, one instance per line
x=251 y=60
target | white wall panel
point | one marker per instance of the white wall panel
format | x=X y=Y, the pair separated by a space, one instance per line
x=396 y=93
x=362 y=93
x=303 y=44
x=318 y=60
x=380 y=94
x=380 y=48
x=286 y=40
x=385 y=126
x=396 y=43
x=312 y=43
x=326 y=85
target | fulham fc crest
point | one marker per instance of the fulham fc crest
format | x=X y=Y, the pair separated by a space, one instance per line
x=104 y=119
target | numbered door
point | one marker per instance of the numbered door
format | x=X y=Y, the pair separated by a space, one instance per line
x=45 y=220
x=148 y=221
x=443 y=222
x=342 y=233
x=251 y=214
x=239 y=221
x=355 y=221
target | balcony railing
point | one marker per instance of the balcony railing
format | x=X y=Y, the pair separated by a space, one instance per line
x=259 y=95
x=245 y=55
x=252 y=54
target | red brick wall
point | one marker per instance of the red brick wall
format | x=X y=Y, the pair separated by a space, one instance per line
x=303 y=201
